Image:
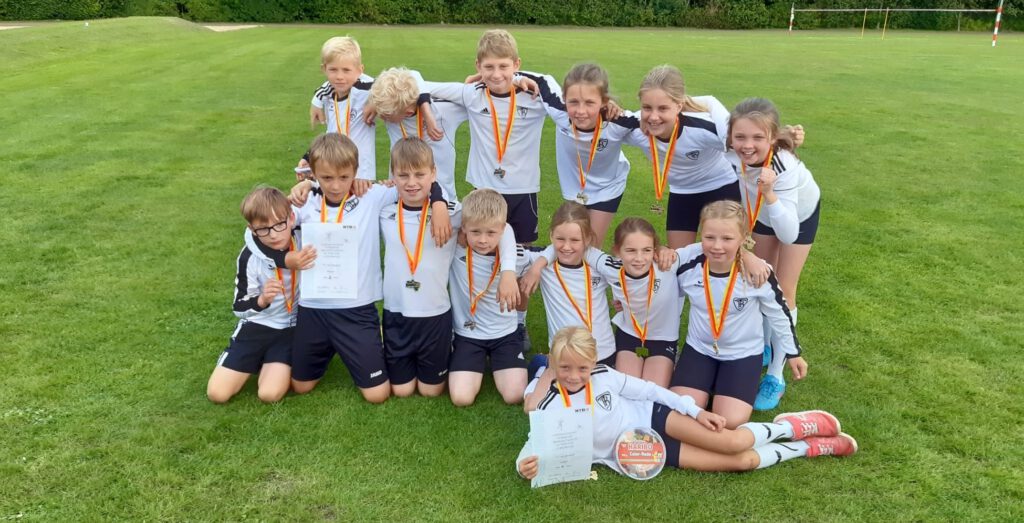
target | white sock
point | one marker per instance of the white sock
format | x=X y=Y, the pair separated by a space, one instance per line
x=779 y=357
x=766 y=326
x=522 y=317
x=768 y=432
x=775 y=453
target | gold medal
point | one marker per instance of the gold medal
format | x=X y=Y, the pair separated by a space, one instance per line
x=661 y=171
x=581 y=198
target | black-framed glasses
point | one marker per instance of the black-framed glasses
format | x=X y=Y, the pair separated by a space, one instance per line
x=263 y=232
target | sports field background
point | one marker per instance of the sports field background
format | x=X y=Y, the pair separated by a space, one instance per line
x=127 y=146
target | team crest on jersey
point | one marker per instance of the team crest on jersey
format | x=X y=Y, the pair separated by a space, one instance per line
x=657 y=284
x=740 y=303
x=595 y=281
x=693 y=155
x=522 y=111
x=602 y=143
x=351 y=203
x=605 y=401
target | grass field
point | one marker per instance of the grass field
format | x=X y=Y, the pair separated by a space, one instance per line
x=127 y=146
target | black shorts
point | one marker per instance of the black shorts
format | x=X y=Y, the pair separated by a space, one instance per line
x=808 y=228
x=734 y=378
x=354 y=334
x=684 y=209
x=522 y=216
x=253 y=345
x=470 y=355
x=417 y=348
x=628 y=343
x=659 y=418
x=611 y=206
x=609 y=361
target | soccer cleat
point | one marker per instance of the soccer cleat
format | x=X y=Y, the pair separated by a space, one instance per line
x=769 y=393
x=810 y=423
x=841 y=445
x=537 y=363
x=766 y=356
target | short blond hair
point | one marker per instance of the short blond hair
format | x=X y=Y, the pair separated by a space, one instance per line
x=340 y=47
x=484 y=206
x=394 y=91
x=336 y=150
x=410 y=154
x=265 y=203
x=575 y=340
x=497 y=43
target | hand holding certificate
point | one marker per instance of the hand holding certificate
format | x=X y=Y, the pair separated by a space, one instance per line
x=563 y=441
x=336 y=273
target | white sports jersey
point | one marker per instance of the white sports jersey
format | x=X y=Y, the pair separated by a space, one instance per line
x=449 y=117
x=489 y=322
x=521 y=161
x=698 y=164
x=255 y=268
x=742 y=334
x=560 y=311
x=620 y=403
x=798 y=193
x=606 y=177
x=361 y=134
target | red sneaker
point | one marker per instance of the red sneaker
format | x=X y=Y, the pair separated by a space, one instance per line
x=810 y=423
x=841 y=445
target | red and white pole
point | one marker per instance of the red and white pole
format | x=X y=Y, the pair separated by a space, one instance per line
x=792 y=13
x=999 y=16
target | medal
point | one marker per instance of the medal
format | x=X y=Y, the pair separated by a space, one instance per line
x=501 y=145
x=582 y=198
x=716 y=326
x=469 y=325
x=588 y=320
x=280 y=277
x=419 y=126
x=753 y=214
x=641 y=332
x=414 y=261
x=341 y=209
x=474 y=298
x=661 y=171
x=642 y=352
x=337 y=116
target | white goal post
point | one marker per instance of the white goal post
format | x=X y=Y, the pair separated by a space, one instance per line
x=995 y=31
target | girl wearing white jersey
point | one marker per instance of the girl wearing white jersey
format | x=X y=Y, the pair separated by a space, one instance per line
x=783 y=206
x=724 y=338
x=694 y=438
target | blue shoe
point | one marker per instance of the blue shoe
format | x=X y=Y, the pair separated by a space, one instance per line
x=537 y=363
x=766 y=356
x=769 y=393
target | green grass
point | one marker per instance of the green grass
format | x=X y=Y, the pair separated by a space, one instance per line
x=127 y=146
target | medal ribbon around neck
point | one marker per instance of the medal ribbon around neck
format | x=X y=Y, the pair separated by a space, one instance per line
x=500 y=144
x=593 y=151
x=341 y=209
x=567 y=401
x=414 y=261
x=474 y=299
x=588 y=320
x=348 y=113
x=419 y=125
x=753 y=214
x=642 y=333
x=716 y=326
x=661 y=176
x=280 y=277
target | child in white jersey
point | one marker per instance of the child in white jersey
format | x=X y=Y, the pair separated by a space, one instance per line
x=783 y=205
x=694 y=438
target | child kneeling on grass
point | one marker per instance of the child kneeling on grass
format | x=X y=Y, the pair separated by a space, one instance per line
x=694 y=438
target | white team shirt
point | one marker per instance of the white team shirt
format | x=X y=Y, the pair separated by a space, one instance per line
x=743 y=332
x=606 y=178
x=699 y=163
x=798 y=193
x=621 y=403
x=521 y=161
x=361 y=134
x=560 y=311
x=490 y=322
x=255 y=268
x=448 y=116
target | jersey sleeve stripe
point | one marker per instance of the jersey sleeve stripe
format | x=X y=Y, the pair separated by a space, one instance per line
x=781 y=300
x=683 y=267
x=242 y=303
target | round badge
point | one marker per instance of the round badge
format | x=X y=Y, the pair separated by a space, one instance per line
x=640 y=453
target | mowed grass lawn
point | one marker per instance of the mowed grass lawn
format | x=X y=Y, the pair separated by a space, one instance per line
x=128 y=145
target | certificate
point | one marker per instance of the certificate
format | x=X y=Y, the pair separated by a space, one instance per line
x=563 y=441
x=335 y=274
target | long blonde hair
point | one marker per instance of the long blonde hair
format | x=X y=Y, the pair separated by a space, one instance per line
x=669 y=78
x=575 y=212
x=729 y=210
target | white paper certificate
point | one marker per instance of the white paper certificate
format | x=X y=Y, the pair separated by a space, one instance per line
x=563 y=440
x=335 y=273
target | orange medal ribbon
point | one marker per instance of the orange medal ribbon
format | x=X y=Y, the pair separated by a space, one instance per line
x=642 y=333
x=475 y=298
x=502 y=144
x=593 y=151
x=413 y=261
x=419 y=126
x=567 y=401
x=661 y=176
x=348 y=113
x=716 y=326
x=753 y=214
x=341 y=210
x=280 y=277
x=588 y=320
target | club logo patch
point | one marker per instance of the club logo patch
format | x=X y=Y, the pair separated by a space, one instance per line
x=740 y=303
x=522 y=111
x=351 y=203
x=602 y=143
x=693 y=155
x=595 y=281
x=657 y=284
x=605 y=401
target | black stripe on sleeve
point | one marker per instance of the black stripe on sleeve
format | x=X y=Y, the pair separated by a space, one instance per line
x=549 y=97
x=598 y=369
x=243 y=303
x=781 y=300
x=424 y=98
x=548 y=398
x=699 y=123
x=628 y=122
x=777 y=163
x=683 y=267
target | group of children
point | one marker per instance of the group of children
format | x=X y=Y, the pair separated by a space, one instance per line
x=454 y=294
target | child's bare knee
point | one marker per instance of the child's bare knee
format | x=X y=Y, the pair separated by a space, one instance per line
x=218 y=396
x=462 y=399
x=376 y=395
x=512 y=398
x=272 y=394
x=303 y=387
